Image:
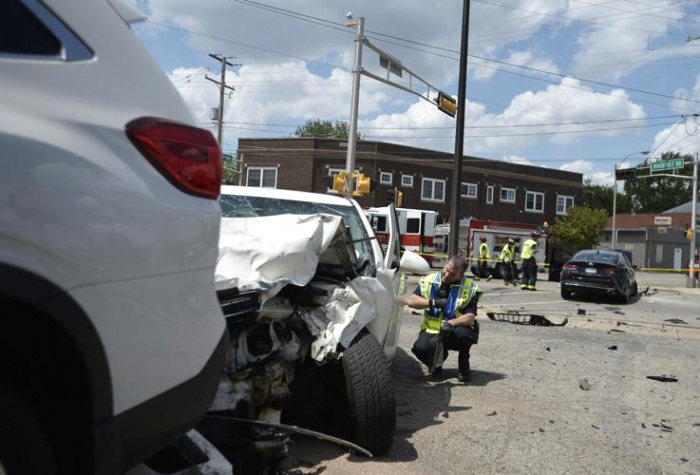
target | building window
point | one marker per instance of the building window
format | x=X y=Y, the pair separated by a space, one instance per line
x=468 y=190
x=564 y=203
x=659 y=253
x=407 y=181
x=262 y=177
x=508 y=195
x=534 y=202
x=489 y=194
x=386 y=178
x=433 y=190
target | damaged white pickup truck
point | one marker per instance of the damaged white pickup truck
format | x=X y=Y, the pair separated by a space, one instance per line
x=313 y=306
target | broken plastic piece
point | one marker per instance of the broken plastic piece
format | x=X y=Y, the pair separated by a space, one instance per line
x=294 y=430
x=514 y=316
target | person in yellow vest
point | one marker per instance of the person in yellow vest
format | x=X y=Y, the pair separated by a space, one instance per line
x=527 y=255
x=484 y=258
x=507 y=260
x=448 y=300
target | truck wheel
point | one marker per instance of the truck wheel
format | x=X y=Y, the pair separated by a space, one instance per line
x=565 y=294
x=635 y=290
x=24 y=449
x=370 y=394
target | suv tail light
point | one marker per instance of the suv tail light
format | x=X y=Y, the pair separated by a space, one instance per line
x=189 y=157
x=569 y=267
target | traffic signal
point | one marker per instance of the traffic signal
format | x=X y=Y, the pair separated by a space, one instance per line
x=399 y=199
x=364 y=184
x=625 y=174
x=689 y=234
x=391 y=196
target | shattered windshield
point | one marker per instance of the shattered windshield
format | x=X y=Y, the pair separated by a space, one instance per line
x=233 y=206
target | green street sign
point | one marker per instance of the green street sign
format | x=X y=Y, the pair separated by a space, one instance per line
x=667 y=165
x=227 y=157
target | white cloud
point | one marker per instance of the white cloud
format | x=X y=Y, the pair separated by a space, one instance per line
x=621 y=43
x=586 y=167
x=484 y=70
x=683 y=138
x=681 y=106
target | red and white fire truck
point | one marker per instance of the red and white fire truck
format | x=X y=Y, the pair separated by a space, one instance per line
x=417 y=228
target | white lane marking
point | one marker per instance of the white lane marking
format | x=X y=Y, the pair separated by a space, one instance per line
x=521 y=304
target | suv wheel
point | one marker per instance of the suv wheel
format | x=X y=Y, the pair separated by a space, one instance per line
x=24 y=449
x=370 y=394
x=565 y=294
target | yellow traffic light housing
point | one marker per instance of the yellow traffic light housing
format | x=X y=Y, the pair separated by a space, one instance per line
x=364 y=184
x=399 y=199
x=339 y=181
x=689 y=234
x=446 y=103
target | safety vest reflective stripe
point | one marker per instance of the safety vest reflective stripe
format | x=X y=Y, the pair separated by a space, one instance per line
x=467 y=290
x=484 y=252
x=528 y=247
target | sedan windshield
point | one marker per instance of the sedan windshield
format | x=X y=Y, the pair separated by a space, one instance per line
x=234 y=206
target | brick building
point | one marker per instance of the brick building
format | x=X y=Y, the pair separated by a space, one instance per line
x=490 y=189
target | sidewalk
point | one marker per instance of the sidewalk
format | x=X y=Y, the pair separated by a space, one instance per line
x=676 y=282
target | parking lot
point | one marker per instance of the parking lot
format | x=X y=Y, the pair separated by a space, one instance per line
x=526 y=411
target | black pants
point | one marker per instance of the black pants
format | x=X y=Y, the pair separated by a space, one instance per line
x=484 y=271
x=507 y=271
x=529 y=271
x=461 y=340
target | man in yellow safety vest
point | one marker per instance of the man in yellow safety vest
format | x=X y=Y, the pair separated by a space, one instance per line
x=448 y=300
x=527 y=255
x=507 y=260
x=484 y=258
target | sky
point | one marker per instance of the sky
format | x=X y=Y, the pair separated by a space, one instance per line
x=578 y=85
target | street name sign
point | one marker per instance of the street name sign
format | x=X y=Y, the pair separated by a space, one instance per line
x=667 y=165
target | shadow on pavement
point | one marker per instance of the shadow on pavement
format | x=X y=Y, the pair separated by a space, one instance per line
x=421 y=402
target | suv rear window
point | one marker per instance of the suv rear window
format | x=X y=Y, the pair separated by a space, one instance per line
x=22 y=33
x=608 y=258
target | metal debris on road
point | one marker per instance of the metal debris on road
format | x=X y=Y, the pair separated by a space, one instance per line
x=613 y=348
x=514 y=316
x=294 y=430
x=677 y=321
x=584 y=384
x=616 y=330
x=581 y=311
x=664 y=379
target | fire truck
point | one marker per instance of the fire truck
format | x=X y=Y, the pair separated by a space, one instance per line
x=417 y=228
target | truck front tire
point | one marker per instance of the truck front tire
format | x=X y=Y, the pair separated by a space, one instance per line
x=370 y=395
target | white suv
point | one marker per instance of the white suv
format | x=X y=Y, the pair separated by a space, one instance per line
x=111 y=337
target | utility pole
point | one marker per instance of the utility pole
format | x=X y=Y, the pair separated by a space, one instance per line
x=222 y=87
x=355 y=100
x=453 y=243
x=693 y=224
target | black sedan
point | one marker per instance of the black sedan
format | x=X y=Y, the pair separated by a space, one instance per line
x=599 y=272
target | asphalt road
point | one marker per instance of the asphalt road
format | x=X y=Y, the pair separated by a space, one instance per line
x=525 y=411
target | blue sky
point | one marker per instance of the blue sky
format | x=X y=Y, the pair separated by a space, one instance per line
x=570 y=84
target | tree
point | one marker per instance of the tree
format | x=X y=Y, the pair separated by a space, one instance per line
x=229 y=174
x=603 y=198
x=580 y=228
x=654 y=195
x=325 y=129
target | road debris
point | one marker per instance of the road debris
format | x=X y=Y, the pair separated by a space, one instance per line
x=613 y=348
x=584 y=384
x=677 y=321
x=494 y=413
x=514 y=316
x=664 y=379
x=581 y=311
x=616 y=330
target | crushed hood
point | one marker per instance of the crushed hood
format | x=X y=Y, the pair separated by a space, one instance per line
x=267 y=253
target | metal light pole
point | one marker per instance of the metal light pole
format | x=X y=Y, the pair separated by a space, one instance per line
x=693 y=223
x=614 y=222
x=355 y=100
x=453 y=244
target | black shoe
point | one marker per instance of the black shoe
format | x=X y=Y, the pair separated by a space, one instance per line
x=464 y=378
x=437 y=371
x=464 y=375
